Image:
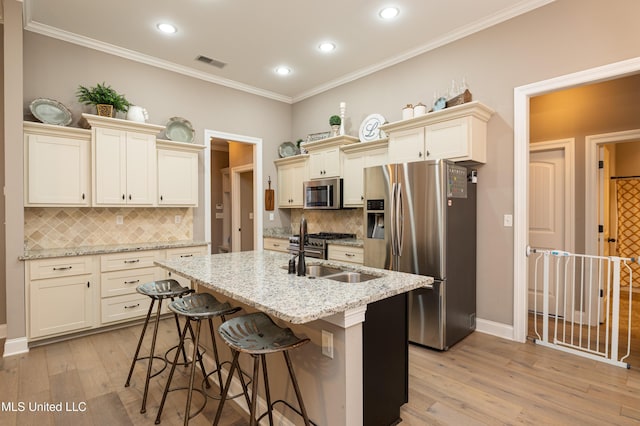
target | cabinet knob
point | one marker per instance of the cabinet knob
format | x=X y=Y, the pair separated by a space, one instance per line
x=161 y=198
x=123 y=196
x=420 y=154
x=83 y=195
x=428 y=153
x=129 y=196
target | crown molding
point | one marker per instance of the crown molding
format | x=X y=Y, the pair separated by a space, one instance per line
x=489 y=21
x=132 y=55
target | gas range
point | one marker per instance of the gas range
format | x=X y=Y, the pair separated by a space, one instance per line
x=316 y=244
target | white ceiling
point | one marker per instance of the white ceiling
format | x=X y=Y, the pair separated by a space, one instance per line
x=253 y=37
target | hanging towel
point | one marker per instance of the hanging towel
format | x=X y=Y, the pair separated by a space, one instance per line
x=628 y=203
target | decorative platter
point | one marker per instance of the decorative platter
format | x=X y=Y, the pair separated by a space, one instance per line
x=370 y=128
x=287 y=149
x=50 y=111
x=179 y=129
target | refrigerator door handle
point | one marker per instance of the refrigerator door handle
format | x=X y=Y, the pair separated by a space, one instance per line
x=392 y=210
x=399 y=219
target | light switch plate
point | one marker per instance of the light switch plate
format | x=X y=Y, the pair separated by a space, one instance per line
x=119 y=219
x=508 y=220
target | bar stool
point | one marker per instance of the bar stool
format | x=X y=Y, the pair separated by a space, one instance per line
x=256 y=334
x=157 y=291
x=197 y=307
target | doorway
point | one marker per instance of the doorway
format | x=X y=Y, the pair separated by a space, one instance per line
x=242 y=207
x=551 y=209
x=255 y=162
x=522 y=96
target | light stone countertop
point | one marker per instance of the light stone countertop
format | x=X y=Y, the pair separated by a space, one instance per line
x=117 y=248
x=259 y=279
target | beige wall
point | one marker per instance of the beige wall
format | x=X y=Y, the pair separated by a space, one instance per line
x=563 y=37
x=627 y=157
x=3 y=292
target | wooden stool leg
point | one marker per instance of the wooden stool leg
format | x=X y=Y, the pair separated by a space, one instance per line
x=305 y=416
x=144 y=329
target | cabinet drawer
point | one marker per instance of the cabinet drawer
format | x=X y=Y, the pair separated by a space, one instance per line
x=182 y=252
x=117 y=283
x=60 y=267
x=346 y=254
x=276 y=244
x=130 y=306
x=123 y=261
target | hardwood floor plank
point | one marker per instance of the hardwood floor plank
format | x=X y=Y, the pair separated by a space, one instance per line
x=33 y=373
x=107 y=409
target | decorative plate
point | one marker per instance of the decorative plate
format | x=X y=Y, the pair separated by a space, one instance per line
x=370 y=128
x=50 y=111
x=287 y=149
x=179 y=129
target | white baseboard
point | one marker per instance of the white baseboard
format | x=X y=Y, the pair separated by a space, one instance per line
x=493 y=328
x=15 y=346
x=3 y=331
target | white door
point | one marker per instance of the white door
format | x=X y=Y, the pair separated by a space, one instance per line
x=546 y=220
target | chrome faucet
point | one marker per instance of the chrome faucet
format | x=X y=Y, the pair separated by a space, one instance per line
x=302 y=267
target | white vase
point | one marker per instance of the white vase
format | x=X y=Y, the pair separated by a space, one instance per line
x=335 y=130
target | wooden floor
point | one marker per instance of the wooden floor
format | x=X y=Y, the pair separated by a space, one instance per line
x=482 y=380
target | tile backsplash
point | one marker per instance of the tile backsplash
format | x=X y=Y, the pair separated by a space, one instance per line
x=348 y=221
x=47 y=228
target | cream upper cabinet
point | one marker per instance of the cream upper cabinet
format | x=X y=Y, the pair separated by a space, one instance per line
x=57 y=166
x=292 y=172
x=325 y=156
x=355 y=159
x=124 y=162
x=177 y=173
x=458 y=133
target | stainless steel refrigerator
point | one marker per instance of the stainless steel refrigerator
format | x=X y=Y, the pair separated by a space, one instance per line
x=421 y=218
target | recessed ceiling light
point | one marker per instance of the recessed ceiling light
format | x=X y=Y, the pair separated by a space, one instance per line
x=167 y=28
x=326 y=46
x=389 y=12
x=281 y=70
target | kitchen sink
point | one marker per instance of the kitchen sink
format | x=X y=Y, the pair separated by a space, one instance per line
x=337 y=274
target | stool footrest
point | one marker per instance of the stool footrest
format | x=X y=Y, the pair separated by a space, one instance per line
x=221 y=385
x=288 y=405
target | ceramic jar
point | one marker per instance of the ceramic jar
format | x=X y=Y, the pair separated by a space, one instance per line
x=137 y=113
x=407 y=112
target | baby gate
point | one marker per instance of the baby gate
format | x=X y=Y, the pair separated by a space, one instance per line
x=586 y=319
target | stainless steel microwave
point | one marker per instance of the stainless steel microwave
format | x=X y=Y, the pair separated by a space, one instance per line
x=323 y=194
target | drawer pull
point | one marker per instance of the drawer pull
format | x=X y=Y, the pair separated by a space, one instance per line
x=62 y=268
x=132 y=282
x=132 y=306
x=186 y=255
x=276 y=245
x=132 y=261
x=349 y=254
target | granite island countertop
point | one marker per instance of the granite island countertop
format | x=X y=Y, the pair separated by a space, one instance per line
x=103 y=249
x=259 y=279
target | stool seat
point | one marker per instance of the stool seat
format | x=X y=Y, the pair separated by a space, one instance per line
x=201 y=306
x=257 y=334
x=163 y=289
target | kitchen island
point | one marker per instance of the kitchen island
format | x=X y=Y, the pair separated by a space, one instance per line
x=319 y=308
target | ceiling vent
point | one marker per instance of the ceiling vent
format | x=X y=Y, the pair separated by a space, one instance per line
x=209 y=61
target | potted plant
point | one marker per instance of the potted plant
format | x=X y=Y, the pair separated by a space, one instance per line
x=334 y=122
x=106 y=100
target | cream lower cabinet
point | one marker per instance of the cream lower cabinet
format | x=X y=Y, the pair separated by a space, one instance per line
x=183 y=253
x=61 y=295
x=355 y=159
x=120 y=274
x=276 y=244
x=177 y=173
x=57 y=166
x=292 y=172
x=346 y=254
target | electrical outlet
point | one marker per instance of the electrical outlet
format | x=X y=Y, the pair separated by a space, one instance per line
x=119 y=219
x=327 y=344
x=272 y=216
x=178 y=219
